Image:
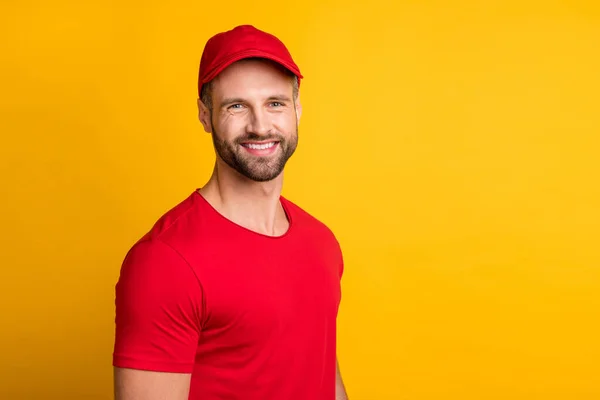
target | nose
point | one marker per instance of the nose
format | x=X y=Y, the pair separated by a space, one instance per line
x=259 y=122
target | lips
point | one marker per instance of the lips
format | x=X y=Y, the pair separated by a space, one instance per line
x=259 y=146
x=262 y=148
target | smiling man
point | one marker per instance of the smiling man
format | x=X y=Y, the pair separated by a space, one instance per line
x=234 y=292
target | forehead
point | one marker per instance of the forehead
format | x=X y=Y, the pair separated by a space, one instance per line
x=252 y=75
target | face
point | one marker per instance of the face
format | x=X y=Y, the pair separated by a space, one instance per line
x=254 y=120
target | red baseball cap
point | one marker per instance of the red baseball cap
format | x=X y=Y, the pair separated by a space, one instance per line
x=241 y=42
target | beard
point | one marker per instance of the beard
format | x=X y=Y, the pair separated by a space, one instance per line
x=256 y=168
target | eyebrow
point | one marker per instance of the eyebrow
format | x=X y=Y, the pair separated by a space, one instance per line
x=279 y=97
x=232 y=100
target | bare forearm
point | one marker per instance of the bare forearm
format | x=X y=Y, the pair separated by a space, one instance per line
x=130 y=384
x=340 y=390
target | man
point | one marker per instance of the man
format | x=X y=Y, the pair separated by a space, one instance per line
x=234 y=292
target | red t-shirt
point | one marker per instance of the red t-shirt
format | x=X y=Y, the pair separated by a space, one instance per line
x=250 y=316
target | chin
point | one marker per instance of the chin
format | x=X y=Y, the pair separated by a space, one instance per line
x=261 y=177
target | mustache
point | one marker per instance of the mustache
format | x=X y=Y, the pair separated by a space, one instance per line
x=256 y=137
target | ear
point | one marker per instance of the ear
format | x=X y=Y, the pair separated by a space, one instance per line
x=204 y=116
x=298 y=108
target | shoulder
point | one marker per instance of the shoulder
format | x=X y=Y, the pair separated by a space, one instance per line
x=308 y=223
x=175 y=220
x=157 y=265
x=315 y=231
x=164 y=248
x=153 y=262
x=182 y=224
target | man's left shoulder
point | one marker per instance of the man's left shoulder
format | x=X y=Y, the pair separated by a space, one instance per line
x=308 y=222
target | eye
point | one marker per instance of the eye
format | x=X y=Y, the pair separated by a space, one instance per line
x=276 y=104
x=235 y=106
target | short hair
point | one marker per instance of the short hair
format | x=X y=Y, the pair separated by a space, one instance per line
x=206 y=92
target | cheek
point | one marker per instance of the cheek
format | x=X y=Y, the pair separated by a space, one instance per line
x=286 y=122
x=229 y=127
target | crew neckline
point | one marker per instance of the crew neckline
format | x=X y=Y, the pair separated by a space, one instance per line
x=282 y=201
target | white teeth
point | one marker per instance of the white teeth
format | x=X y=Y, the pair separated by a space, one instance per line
x=260 y=146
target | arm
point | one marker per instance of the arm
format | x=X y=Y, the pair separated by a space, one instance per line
x=158 y=302
x=133 y=384
x=340 y=390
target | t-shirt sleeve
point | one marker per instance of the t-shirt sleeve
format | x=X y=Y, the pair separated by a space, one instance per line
x=158 y=310
x=340 y=256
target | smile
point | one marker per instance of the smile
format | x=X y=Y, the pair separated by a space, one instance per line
x=261 y=146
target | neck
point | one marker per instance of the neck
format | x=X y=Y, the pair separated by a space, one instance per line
x=253 y=205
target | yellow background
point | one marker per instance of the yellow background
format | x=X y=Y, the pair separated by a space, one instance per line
x=452 y=147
